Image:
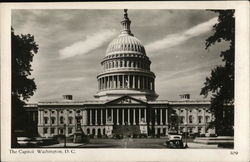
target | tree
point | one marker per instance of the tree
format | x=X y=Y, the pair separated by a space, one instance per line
x=23 y=48
x=221 y=82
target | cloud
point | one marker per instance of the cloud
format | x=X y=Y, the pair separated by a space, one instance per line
x=178 y=38
x=90 y=43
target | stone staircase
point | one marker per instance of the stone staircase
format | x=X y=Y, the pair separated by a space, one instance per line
x=126 y=129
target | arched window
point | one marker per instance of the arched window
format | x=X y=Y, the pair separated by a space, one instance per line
x=70 y=120
x=61 y=120
x=199 y=119
x=46 y=120
x=93 y=131
x=53 y=120
x=190 y=119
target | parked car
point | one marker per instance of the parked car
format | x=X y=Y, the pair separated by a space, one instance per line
x=174 y=141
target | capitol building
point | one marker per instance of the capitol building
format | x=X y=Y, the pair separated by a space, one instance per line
x=126 y=101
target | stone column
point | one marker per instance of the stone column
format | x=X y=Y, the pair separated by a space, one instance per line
x=204 y=116
x=139 y=116
x=113 y=81
x=156 y=117
x=95 y=116
x=134 y=117
x=108 y=83
x=128 y=81
x=161 y=117
x=166 y=116
x=122 y=116
x=128 y=116
x=106 y=114
x=104 y=78
x=145 y=114
x=117 y=112
x=118 y=81
x=112 y=117
x=90 y=117
x=101 y=83
x=133 y=81
x=42 y=117
x=123 y=81
x=143 y=82
x=139 y=80
x=39 y=117
x=101 y=117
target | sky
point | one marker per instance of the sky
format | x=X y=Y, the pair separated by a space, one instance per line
x=72 y=43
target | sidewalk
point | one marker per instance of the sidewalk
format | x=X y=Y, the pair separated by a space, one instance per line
x=193 y=145
x=68 y=145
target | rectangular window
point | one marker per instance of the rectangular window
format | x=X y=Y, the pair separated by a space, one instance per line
x=52 y=130
x=199 y=129
x=61 y=131
x=70 y=130
x=45 y=130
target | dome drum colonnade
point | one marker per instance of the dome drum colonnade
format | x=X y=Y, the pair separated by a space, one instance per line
x=126 y=68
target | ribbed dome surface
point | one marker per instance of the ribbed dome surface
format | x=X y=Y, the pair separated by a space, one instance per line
x=125 y=43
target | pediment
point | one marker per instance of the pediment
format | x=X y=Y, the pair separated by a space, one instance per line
x=126 y=100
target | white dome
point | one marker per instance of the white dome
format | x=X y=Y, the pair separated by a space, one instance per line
x=125 y=43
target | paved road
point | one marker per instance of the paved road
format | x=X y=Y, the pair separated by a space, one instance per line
x=155 y=143
x=125 y=143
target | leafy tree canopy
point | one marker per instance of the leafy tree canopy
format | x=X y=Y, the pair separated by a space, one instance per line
x=23 y=48
x=221 y=82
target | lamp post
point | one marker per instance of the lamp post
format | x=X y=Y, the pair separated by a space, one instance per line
x=186 y=145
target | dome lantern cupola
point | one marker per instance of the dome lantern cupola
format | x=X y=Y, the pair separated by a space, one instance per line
x=126 y=24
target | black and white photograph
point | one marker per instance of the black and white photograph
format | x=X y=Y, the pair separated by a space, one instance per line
x=123 y=78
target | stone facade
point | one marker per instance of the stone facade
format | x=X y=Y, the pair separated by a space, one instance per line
x=99 y=118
